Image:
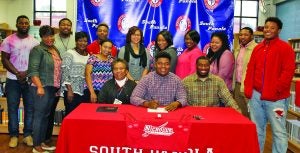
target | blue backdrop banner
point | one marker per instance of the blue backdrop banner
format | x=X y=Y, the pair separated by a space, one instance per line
x=152 y=16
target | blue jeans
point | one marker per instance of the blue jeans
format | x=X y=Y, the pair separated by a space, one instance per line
x=14 y=91
x=42 y=109
x=262 y=111
x=51 y=119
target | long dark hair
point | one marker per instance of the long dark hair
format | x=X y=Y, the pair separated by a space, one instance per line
x=225 y=46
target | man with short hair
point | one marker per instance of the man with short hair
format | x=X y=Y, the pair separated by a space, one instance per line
x=102 y=34
x=118 y=89
x=15 y=50
x=64 y=39
x=242 y=56
x=160 y=87
x=205 y=89
x=267 y=84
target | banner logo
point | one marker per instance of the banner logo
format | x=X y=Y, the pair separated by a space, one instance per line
x=158 y=130
x=183 y=24
x=97 y=2
x=211 y=4
x=151 y=47
x=155 y=3
x=123 y=24
x=187 y=1
x=206 y=48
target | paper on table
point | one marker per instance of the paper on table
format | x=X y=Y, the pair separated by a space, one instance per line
x=158 y=110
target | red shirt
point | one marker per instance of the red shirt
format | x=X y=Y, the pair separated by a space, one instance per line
x=94 y=48
x=270 y=70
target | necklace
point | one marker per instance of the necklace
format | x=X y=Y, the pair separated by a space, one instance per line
x=102 y=57
x=81 y=52
x=65 y=46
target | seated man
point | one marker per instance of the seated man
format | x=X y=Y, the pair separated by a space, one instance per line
x=160 y=87
x=118 y=89
x=205 y=89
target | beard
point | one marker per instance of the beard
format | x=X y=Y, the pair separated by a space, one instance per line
x=202 y=75
x=23 y=32
x=65 y=34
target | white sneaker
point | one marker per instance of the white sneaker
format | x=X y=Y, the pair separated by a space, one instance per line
x=49 y=148
x=35 y=151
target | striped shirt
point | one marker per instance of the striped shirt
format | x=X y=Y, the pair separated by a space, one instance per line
x=164 y=89
x=101 y=71
x=73 y=69
x=207 y=92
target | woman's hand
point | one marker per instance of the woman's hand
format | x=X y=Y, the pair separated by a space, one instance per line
x=93 y=97
x=70 y=96
x=40 y=91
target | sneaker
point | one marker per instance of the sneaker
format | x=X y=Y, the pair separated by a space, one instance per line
x=38 y=150
x=28 y=141
x=49 y=148
x=13 y=142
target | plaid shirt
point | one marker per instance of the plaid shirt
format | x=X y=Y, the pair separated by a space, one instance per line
x=165 y=89
x=207 y=92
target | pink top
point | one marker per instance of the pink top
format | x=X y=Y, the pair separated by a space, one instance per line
x=186 y=62
x=239 y=64
x=226 y=66
x=19 y=50
x=57 y=69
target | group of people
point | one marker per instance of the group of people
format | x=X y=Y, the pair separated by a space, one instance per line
x=257 y=76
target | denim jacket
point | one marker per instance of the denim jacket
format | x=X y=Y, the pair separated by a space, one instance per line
x=41 y=64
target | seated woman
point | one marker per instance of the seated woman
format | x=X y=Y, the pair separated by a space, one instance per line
x=118 y=89
x=73 y=68
x=98 y=70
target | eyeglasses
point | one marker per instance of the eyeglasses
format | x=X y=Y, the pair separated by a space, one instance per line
x=136 y=35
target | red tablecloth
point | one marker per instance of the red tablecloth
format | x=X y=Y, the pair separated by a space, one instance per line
x=133 y=129
x=297 y=96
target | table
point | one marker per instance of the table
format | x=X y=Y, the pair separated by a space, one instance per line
x=133 y=129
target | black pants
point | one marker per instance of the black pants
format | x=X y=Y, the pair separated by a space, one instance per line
x=51 y=119
x=70 y=106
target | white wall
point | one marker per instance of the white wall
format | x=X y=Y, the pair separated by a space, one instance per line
x=11 y=9
x=270 y=11
x=288 y=12
x=3 y=16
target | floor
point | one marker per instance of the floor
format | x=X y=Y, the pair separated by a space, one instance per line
x=21 y=148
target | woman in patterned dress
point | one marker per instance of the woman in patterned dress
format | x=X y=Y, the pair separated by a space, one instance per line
x=98 y=70
x=73 y=68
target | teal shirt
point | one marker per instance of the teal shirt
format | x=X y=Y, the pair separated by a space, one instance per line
x=41 y=64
